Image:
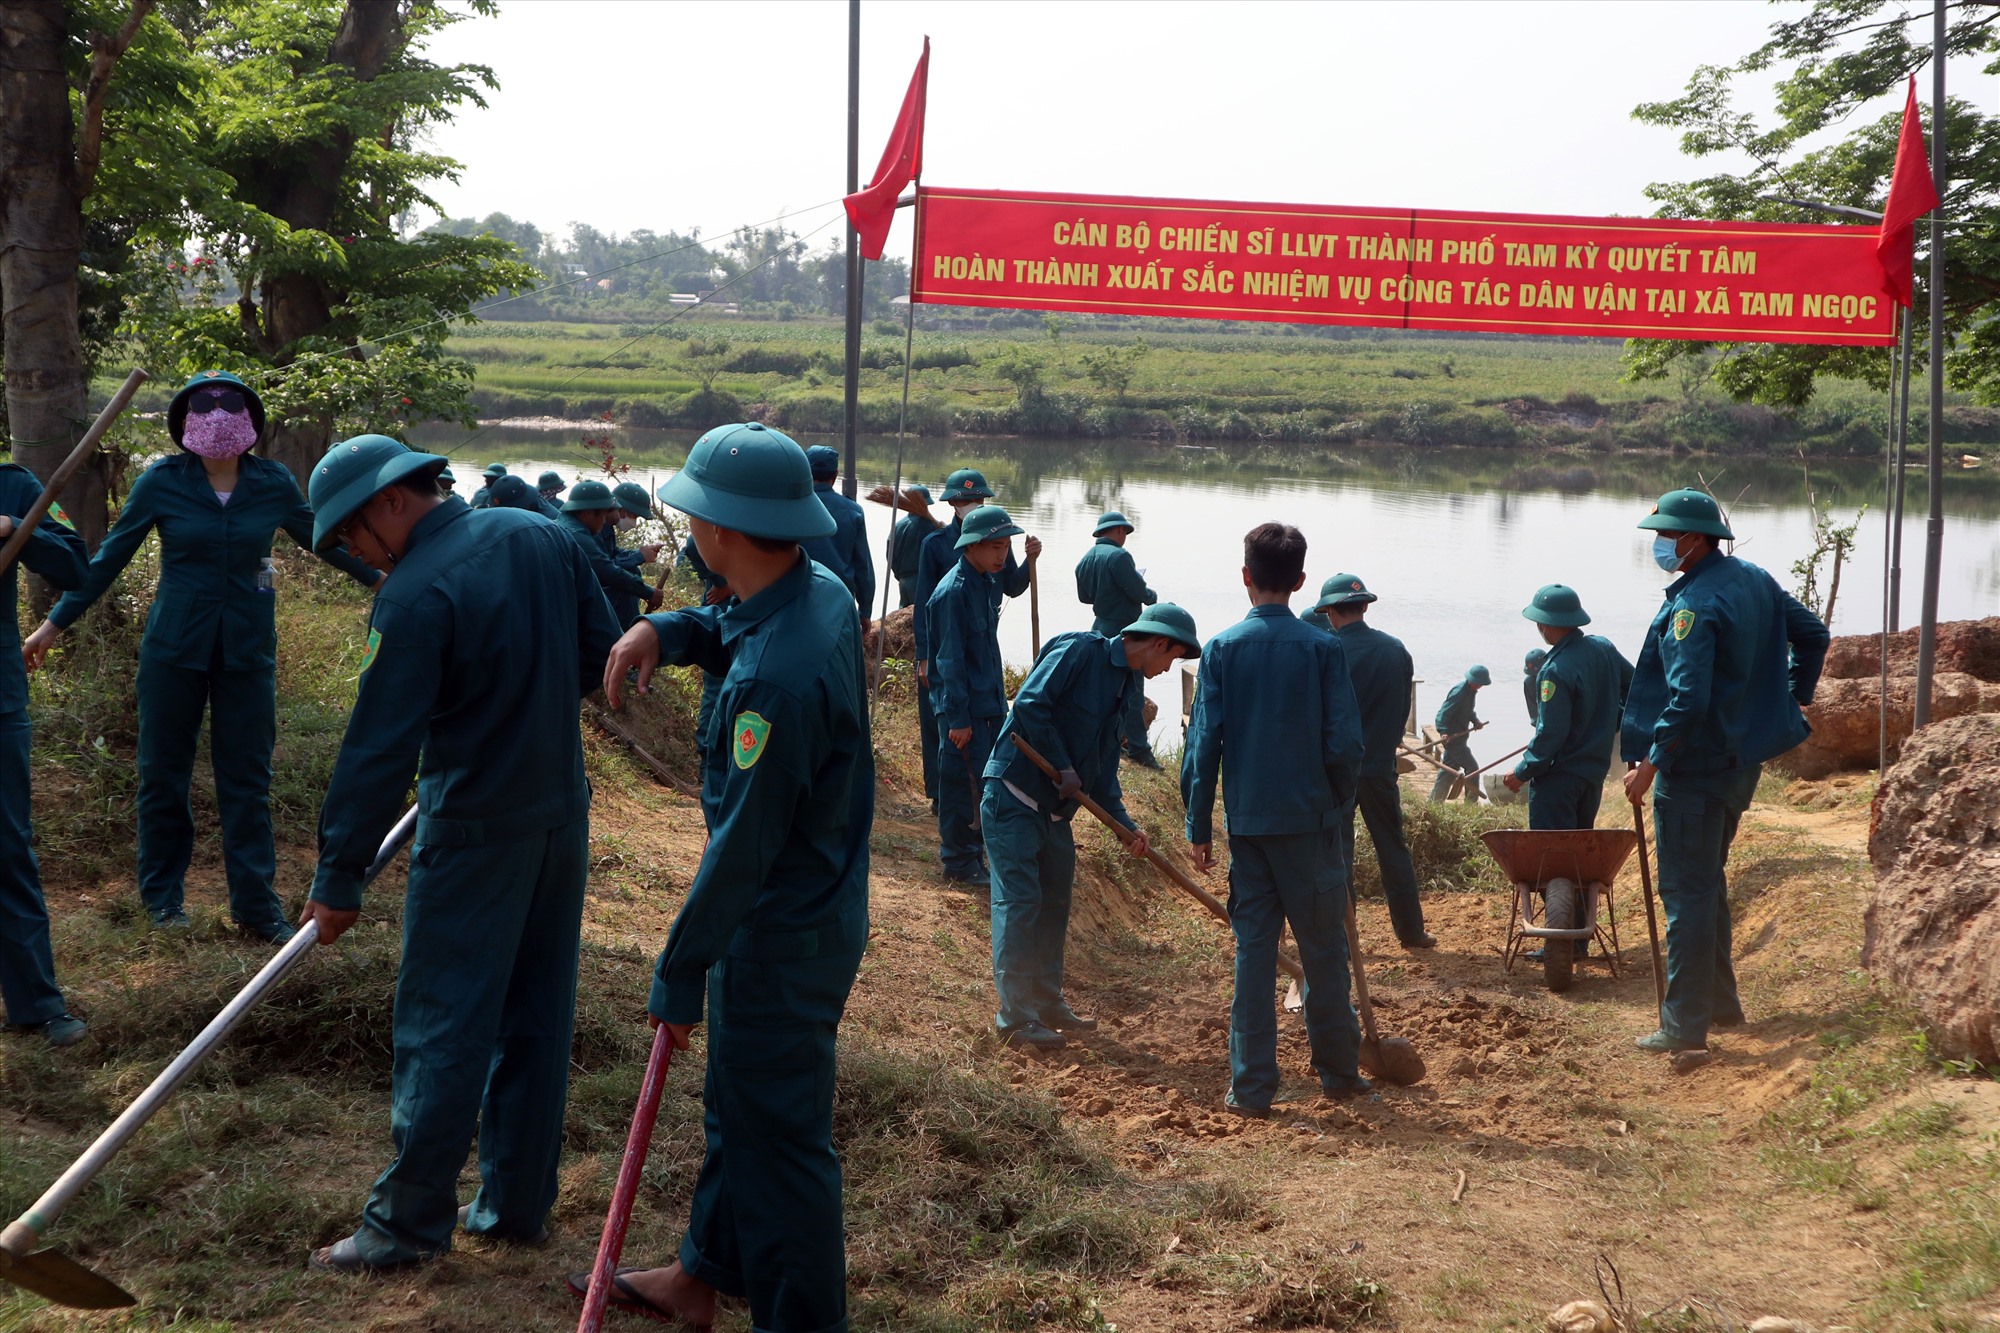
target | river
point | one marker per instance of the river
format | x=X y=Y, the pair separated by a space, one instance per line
x=1454 y=541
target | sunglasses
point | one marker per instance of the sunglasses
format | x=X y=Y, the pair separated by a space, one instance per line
x=226 y=400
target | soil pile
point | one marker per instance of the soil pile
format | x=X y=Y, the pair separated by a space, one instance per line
x=1933 y=925
x=1845 y=712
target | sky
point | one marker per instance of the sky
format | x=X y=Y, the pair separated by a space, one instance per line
x=631 y=114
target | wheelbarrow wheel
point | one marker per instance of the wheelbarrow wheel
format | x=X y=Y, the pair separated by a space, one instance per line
x=1560 y=911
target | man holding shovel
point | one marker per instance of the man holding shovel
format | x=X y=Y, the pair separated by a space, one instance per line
x=1581 y=689
x=1727 y=665
x=1275 y=721
x=968 y=691
x=1067 y=710
x=1381 y=672
x=772 y=930
x=1108 y=581
x=1457 y=717
x=27 y=964
x=483 y=687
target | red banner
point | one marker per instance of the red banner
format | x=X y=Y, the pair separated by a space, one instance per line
x=1381 y=268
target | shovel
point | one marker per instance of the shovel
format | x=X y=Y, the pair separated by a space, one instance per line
x=50 y=1273
x=611 y=1244
x=1394 y=1059
x=1652 y=922
x=24 y=527
x=1160 y=863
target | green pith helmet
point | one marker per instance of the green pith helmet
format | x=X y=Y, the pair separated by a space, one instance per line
x=587 y=495
x=1343 y=590
x=631 y=497
x=212 y=379
x=352 y=472
x=550 y=484
x=1558 y=606
x=1168 y=621
x=494 y=471
x=1534 y=660
x=750 y=479
x=923 y=493
x=1688 y=511
x=984 y=524
x=1479 y=675
x=444 y=475
x=824 y=462
x=968 y=483
x=1112 y=519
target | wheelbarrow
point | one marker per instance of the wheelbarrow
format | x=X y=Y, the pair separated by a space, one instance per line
x=1561 y=877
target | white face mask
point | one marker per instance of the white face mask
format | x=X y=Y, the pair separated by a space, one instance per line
x=627 y=522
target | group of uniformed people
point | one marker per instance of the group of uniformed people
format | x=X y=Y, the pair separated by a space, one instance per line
x=1294 y=728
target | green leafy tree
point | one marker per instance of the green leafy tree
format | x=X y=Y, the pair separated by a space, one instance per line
x=1112 y=368
x=1843 y=57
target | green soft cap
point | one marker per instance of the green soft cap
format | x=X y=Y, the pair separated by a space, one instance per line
x=1688 y=511
x=1168 y=621
x=352 y=472
x=750 y=479
x=587 y=495
x=984 y=524
x=1112 y=519
x=1558 y=606
x=967 y=484
x=1343 y=590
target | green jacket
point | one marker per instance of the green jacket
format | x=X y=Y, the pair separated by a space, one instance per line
x=610 y=576
x=1458 y=712
x=210 y=556
x=1581 y=690
x=1108 y=582
x=967 y=681
x=788 y=783
x=480 y=644
x=55 y=552
x=1068 y=709
x=1381 y=671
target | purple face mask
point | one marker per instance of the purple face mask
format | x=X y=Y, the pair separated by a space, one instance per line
x=218 y=434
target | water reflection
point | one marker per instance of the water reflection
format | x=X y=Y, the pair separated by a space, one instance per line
x=1454 y=541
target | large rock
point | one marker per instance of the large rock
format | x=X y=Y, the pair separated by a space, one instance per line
x=1968 y=646
x=899 y=639
x=1933 y=926
x=1846 y=719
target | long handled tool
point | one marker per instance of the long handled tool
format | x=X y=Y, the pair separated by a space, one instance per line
x=611 y=1244
x=1393 y=1059
x=1035 y=605
x=1421 y=746
x=1464 y=778
x=1160 y=863
x=50 y=1273
x=972 y=783
x=24 y=526
x=1652 y=922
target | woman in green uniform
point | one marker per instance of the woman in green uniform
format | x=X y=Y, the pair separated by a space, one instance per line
x=210 y=644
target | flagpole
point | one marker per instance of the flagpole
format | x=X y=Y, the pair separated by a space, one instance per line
x=902 y=425
x=1934 y=525
x=851 y=406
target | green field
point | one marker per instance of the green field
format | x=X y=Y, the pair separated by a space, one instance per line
x=1270 y=384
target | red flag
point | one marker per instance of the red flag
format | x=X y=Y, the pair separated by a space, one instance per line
x=1912 y=193
x=873 y=208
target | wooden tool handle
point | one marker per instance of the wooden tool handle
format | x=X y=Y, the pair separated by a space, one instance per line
x=611 y=1243
x=24 y=526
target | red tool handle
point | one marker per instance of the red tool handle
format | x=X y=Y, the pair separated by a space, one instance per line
x=612 y=1243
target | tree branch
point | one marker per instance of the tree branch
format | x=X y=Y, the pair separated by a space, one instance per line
x=104 y=54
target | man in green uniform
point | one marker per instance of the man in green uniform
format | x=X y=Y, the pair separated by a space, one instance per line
x=1068 y=710
x=1455 y=720
x=1379 y=668
x=27 y=964
x=551 y=486
x=906 y=545
x=1276 y=732
x=633 y=504
x=588 y=511
x=774 y=922
x=968 y=691
x=516 y=493
x=487 y=632
x=1728 y=663
x=714 y=592
x=1531 y=667
x=483 y=497
x=846 y=552
x=1581 y=689
x=1110 y=584
x=447 y=483
x=964 y=490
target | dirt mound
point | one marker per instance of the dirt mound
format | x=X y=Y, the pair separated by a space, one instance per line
x=1933 y=925
x=1846 y=719
x=1968 y=646
x=899 y=640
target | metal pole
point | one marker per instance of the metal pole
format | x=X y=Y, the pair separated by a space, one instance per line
x=1888 y=595
x=1902 y=469
x=1934 y=526
x=848 y=481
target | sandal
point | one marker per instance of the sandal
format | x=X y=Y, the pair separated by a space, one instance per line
x=626 y=1297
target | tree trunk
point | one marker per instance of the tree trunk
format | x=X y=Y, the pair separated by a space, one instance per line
x=307 y=194
x=41 y=243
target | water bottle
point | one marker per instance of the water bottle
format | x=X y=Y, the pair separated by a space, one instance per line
x=267 y=576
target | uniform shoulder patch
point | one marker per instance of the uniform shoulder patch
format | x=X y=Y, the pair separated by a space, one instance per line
x=749 y=735
x=59 y=515
x=1683 y=622
x=1548 y=690
x=374 y=645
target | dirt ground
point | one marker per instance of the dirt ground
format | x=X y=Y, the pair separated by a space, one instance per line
x=1478 y=1199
